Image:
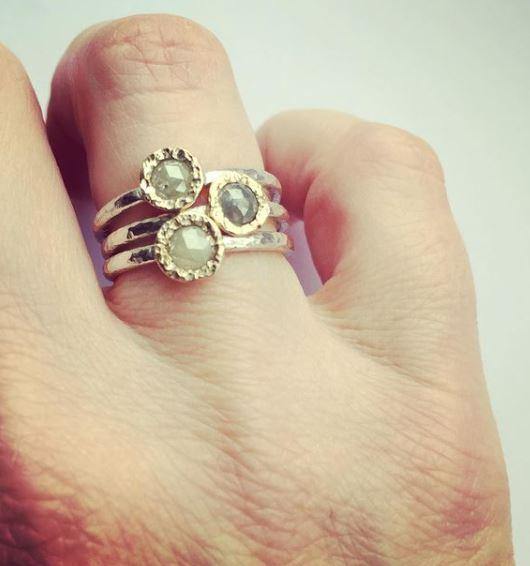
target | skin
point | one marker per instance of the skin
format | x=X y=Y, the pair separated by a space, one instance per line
x=234 y=420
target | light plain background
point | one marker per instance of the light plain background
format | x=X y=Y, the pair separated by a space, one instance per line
x=456 y=73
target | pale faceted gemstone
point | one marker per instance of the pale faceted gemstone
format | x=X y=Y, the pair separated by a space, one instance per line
x=190 y=247
x=171 y=178
x=239 y=203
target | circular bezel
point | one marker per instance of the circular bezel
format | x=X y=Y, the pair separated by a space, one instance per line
x=150 y=163
x=216 y=210
x=163 y=241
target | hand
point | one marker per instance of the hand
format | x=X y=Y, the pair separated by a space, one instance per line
x=233 y=420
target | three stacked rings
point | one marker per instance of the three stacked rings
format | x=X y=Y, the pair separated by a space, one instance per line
x=242 y=213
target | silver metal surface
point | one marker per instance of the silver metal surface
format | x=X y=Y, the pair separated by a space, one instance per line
x=136 y=196
x=150 y=226
x=258 y=242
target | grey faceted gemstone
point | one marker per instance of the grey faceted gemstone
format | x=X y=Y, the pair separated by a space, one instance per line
x=171 y=178
x=238 y=203
x=190 y=247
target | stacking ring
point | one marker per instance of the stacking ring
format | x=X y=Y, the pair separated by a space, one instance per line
x=242 y=213
x=171 y=180
x=191 y=246
x=149 y=226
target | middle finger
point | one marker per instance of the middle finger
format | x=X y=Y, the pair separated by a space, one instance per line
x=131 y=86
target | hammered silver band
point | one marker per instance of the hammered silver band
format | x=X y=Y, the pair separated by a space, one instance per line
x=136 y=196
x=260 y=242
x=149 y=226
x=241 y=213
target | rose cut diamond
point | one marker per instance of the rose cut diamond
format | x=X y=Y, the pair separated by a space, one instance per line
x=238 y=203
x=171 y=178
x=190 y=247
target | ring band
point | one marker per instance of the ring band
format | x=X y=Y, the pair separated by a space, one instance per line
x=166 y=253
x=172 y=179
x=150 y=226
x=241 y=213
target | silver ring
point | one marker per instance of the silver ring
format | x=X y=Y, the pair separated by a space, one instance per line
x=182 y=262
x=149 y=226
x=171 y=180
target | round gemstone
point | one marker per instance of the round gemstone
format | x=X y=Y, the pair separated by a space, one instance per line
x=238 y=203
x=171 y=178
x=190 y=247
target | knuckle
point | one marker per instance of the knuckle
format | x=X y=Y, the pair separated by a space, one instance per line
x=378 y=146
x=468 y=513
x=153 y=53
x=455 y=486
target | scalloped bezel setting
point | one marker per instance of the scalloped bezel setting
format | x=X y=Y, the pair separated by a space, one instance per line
x=165 y=257
x=216 y=205
x=191 y=178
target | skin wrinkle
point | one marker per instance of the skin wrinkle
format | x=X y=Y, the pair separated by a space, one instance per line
x=193 y=357
x=248 y=495
x=369 y=351
x=214 y=332
x=246 y=498
x=132 y=49
x=425 y=310
x=471 y=505
x=405 y=482
x=230 y=420
x=359 y=541
x=386 y=147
